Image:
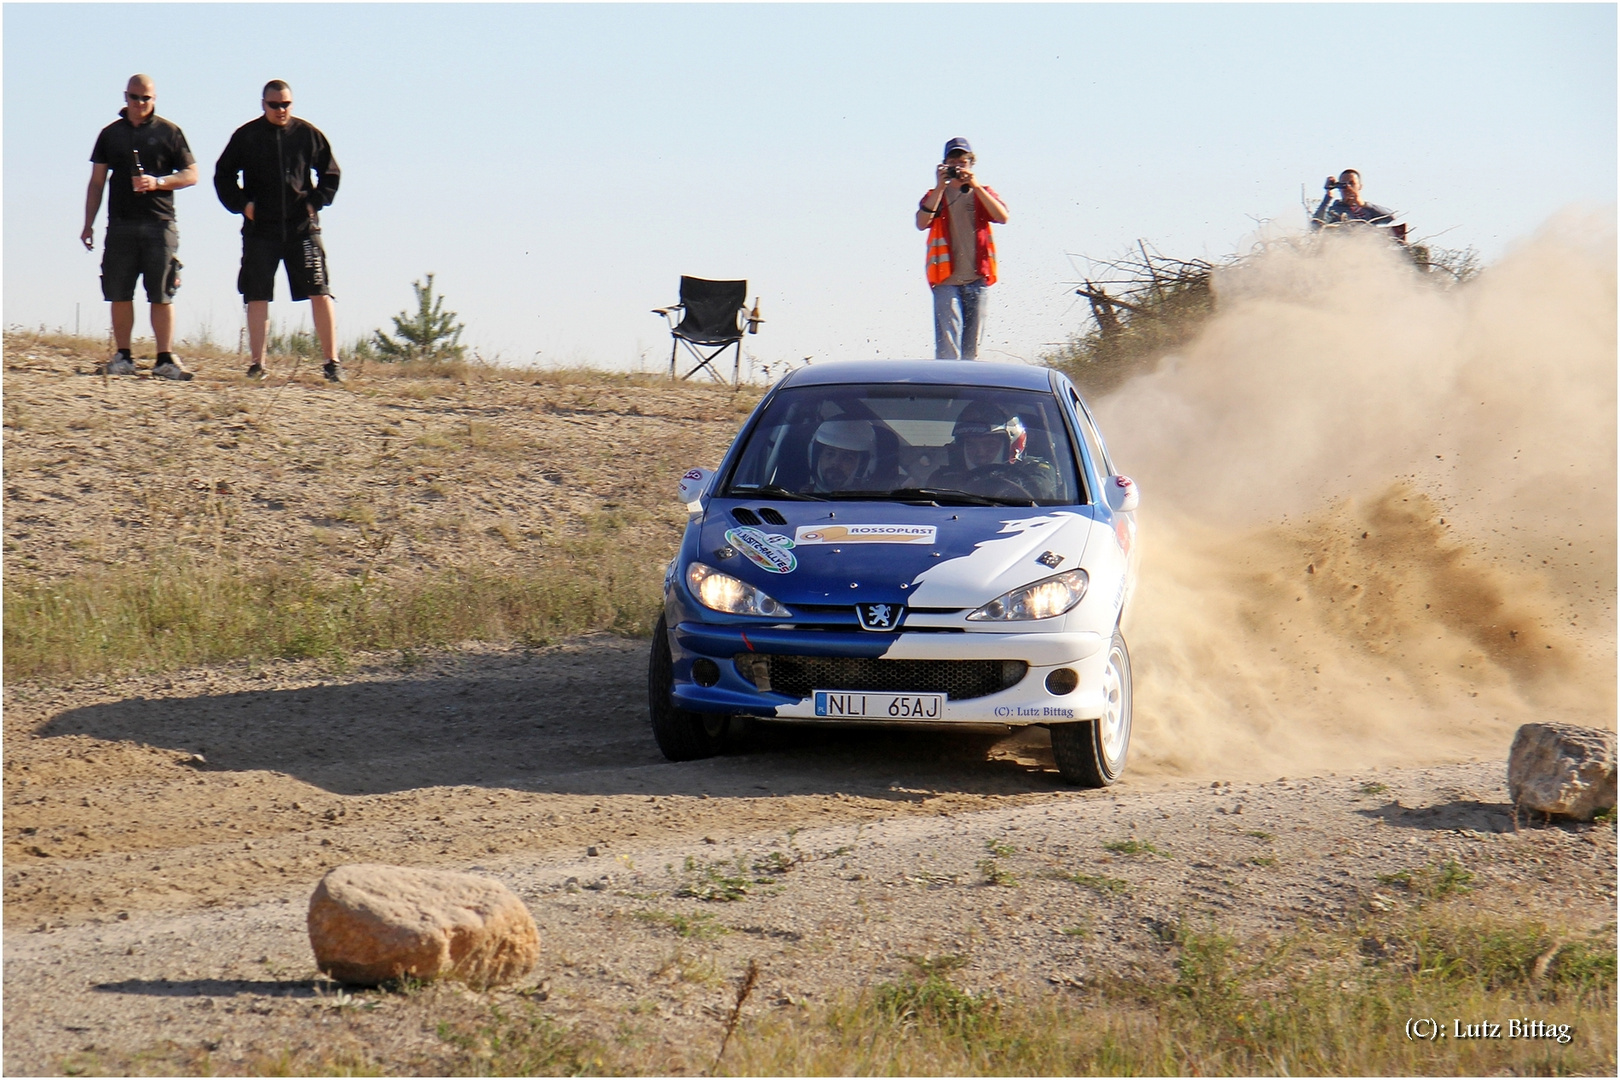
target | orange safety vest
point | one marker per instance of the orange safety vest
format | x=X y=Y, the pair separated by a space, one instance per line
x=939 y=244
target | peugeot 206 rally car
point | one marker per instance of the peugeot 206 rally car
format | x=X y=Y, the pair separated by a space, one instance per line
x=937 y=543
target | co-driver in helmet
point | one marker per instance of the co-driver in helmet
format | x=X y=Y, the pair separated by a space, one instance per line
x=843 y=456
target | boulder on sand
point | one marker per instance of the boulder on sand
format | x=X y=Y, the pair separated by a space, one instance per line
x=370 y=923
x=1562 y=769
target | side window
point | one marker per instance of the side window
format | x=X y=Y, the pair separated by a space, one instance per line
x=1088 y=430
x=1088 y=435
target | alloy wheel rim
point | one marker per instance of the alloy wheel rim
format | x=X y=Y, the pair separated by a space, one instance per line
x=1114 y=723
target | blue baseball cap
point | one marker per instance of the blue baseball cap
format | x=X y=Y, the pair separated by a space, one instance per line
x=954 y=145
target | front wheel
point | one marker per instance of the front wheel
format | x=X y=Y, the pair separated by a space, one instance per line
x=681 y=735
x=1092 y=753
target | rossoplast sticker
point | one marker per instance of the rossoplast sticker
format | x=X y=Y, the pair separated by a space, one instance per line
x=768 y=551
x=809 y=535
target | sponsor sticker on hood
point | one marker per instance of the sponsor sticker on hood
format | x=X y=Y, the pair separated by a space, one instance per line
x=768 y=551
x=810 y=535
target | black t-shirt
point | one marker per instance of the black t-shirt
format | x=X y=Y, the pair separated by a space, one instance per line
x=163 y=151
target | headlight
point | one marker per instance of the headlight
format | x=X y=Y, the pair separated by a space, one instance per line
x=1040 y=600
x=722 y=592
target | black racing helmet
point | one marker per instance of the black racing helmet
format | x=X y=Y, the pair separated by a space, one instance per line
x=986 y=418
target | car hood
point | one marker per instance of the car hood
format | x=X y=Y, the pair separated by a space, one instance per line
x=923 y=557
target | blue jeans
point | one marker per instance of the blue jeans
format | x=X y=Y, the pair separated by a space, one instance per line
x=958 y=314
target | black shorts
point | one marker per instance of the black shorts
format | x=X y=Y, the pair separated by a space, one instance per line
x=136 y=249
x=304 y=255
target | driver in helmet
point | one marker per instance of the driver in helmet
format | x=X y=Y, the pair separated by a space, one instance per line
x=843 y=456
x=989 y=445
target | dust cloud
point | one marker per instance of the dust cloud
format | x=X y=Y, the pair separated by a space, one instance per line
x=1378 y=520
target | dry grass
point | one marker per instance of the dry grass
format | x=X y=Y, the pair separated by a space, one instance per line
x=1318 y=1003
x=416 y=507
x=185 y=611
x=1331 y=1003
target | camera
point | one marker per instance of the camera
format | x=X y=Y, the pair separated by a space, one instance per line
x=953 y=172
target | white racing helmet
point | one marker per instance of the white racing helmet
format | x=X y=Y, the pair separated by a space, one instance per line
x=852 y=435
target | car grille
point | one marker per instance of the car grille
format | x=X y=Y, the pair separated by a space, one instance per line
x=958 y=680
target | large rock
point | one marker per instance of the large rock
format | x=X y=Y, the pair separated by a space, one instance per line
x=1562 y=769
x=370 y=923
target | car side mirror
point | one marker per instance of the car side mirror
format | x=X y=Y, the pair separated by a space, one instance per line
x=1122 y=494
x=694 y=485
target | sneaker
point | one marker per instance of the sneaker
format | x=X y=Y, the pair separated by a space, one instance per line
x=256 y=371
x=334 y=371
x=118 y=365
x=171 y=369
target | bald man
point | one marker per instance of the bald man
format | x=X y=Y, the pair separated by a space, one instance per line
x=142 y=160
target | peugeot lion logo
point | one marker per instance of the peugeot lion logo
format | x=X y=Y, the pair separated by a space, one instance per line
x=879 y=616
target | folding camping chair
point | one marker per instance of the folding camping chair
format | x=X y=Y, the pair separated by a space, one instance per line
x=712 y=322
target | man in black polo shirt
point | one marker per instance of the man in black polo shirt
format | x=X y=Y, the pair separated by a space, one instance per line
x=287 y=174
x=145 y=160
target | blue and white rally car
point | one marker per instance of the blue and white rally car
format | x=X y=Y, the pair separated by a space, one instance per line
x=931 y=543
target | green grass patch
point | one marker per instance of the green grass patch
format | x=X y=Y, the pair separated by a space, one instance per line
x=719 y=881
x=523 y=1042
x=1433 y=882
x=996 y=874
x=700 y=927
x=1135 y=847
x=1098 y=883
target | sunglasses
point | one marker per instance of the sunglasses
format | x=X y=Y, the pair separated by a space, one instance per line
x=142 y=98
x=278 y=105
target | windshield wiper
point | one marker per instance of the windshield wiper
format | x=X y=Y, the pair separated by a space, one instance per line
x=945 y=496
x=769 y=491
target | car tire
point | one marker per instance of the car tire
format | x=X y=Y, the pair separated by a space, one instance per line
x=682 y=735
x=1092 y=753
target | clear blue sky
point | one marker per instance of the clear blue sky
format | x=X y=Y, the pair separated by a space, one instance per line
x=559 y=166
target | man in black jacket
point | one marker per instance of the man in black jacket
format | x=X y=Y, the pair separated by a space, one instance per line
x=287 y=174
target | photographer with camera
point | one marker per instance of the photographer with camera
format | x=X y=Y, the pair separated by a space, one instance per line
x=961 y=264
x=1349 y=207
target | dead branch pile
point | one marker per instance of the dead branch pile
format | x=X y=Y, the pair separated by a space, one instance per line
x=1142 y=304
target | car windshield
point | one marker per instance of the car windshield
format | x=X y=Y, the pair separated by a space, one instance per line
x=952 y=445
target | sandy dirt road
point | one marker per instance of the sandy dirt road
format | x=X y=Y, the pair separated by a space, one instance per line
x=155 y=902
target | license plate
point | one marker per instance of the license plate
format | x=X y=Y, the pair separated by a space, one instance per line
x=842 y=704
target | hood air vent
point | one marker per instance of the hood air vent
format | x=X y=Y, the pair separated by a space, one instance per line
x=745 y=516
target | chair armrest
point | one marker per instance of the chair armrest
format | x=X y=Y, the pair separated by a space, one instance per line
x=664 y=311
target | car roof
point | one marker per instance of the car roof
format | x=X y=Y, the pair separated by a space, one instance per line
x=925 y=372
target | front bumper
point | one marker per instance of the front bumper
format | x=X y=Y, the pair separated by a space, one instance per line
x=1026 y=702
